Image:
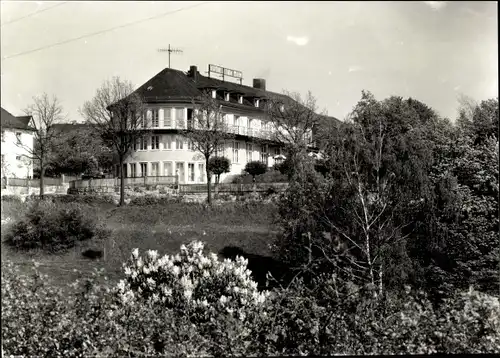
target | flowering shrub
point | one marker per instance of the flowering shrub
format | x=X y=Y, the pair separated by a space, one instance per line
x=218 y=297
x=191 y=280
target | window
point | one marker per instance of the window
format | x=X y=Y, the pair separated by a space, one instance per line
x=236 y=150
x=133 y=170
x=191 y=172
x=142 y=120
x=263 y=154
x=190 y=118
x=18 y=157
x=236 y=120
x=155 y=118
x=155 y=169
x=179 y=117
x=144 y=169
x=220 y=150
x=214 y=93
x=226 y=96
x=240 y=99
x=256 y=102
x=201 y=172
x=167 y=117
x=179 y=144
x=179 y=170
x=155 y=142
x=168 y=168
x=143 y=145
x=167 y=142
x=190 y=145
x=249 y=152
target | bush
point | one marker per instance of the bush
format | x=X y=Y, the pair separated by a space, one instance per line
x=140 y=317
x=11 y=198
x=53 y=228
x=154 y=200
x=84 y=199
x=209 y=292
x=272 y=176
x=255 y=168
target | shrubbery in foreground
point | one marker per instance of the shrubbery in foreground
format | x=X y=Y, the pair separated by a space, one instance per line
x=192 y=304
x=53 y=228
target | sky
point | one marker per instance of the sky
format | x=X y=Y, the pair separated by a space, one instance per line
x=433 y=51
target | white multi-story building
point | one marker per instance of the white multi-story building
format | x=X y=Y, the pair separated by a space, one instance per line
x=17 y=143
x=168 y=97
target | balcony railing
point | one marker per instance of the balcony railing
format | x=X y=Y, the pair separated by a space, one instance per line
x=251 y=132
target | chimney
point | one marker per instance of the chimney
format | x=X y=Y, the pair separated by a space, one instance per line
x=193 y=72
x=259 y=83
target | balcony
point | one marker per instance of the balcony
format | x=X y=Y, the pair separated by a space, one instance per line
x=251 y=132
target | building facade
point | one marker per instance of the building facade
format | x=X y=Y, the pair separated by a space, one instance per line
x=17 y=144
x=169 y=102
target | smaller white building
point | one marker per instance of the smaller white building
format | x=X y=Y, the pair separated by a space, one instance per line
x=17 y=142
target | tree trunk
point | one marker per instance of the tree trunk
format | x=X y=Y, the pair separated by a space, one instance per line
x=209 y=179
x=42 y=174
x=122 y=183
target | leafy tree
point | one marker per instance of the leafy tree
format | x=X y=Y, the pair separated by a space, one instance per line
x=459 y=243
x=255 y=168
x=45 y=112
x=207 y=131
x=81 y=151
x=292 y=120
x=117 y=113
x=218 y=166
x=478 y=120
x=358 y=218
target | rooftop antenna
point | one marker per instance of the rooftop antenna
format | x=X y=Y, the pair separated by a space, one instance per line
x=169 y=50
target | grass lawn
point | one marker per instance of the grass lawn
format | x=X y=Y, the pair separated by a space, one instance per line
x=162 y=228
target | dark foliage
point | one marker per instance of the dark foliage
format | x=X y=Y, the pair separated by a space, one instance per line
x=54 y=228
x=261 y=266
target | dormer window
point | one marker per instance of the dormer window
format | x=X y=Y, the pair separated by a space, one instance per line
x=256 y=102
x=214 y=93
x=226 y=96
x=240 y=99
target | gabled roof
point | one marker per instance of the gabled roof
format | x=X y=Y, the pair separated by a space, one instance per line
x=10 y=121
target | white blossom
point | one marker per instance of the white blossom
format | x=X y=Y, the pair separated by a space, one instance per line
x=121 y=285
x=151 y=282
x=135 y=253
x=153 y=254
x=188 y=294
